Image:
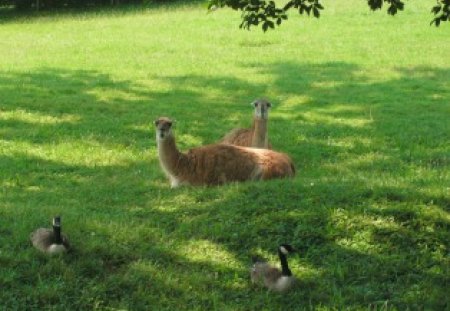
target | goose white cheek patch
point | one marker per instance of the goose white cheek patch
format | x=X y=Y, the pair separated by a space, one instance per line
x=284 y=250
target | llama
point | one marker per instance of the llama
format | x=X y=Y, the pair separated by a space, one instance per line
x=217 y=163
x=256 y=136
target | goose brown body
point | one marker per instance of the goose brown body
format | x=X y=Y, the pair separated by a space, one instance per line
x=50 y=241
x=272 y=277
x=44 y=240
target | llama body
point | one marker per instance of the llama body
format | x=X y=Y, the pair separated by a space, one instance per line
x=218 y=163
x=256 y=136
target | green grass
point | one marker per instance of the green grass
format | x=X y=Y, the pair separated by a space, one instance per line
x=361 y=103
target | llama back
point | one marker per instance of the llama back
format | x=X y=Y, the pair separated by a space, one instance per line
x=274 y=164
x=238 y=137
x=244 y=138
x=217 y=164
x=221 y=163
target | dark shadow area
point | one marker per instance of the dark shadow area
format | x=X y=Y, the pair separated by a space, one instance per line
x=362 y=211
x=10 y=14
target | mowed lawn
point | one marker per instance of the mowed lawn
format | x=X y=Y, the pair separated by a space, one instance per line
x=361 y=102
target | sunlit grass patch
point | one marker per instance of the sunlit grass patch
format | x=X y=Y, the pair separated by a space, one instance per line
x=30 y=117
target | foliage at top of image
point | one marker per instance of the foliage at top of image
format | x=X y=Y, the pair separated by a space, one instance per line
x=267 y=14
x=441 y=11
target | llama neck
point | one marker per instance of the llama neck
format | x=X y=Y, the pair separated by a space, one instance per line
x=260 y=138
x=285 y=271
x=169 y=156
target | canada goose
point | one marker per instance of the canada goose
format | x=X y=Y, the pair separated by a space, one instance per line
x=217 y=163
x=271 y=277
x=257 y=135
x=50 y=241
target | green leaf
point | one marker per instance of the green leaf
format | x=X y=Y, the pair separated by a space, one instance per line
x=436 y=9
x=308 y=9
x=288 y=5
x=316 y=12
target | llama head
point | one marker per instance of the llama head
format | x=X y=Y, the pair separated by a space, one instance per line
x=261 y=108
x=163 y=128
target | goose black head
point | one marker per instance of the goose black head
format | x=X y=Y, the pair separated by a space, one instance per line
x=57 y=221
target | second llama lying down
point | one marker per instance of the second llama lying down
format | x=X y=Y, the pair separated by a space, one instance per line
x=256 y=136
x=218 y=163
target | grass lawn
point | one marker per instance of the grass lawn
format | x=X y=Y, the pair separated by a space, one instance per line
x=361 y=101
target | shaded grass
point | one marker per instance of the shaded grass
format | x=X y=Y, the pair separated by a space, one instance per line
x=368 y=133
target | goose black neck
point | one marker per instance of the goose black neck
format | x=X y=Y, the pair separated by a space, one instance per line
x=57 y=234
x=285 y=271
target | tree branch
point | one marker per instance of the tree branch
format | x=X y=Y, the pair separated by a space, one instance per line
x=268 y=15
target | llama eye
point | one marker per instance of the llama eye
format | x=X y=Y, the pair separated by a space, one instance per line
x=269 y=105
x=156 y=122
x=169 y=124
x=256 y=104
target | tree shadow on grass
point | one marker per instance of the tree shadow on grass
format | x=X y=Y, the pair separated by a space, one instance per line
x=370 y=139
x=364 y=237
x=351 y=252
x=10 y=15
x=124 y=254
x=54 y=105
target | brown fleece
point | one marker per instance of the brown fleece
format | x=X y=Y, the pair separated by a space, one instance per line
x=219 y=163
x=238 y=137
